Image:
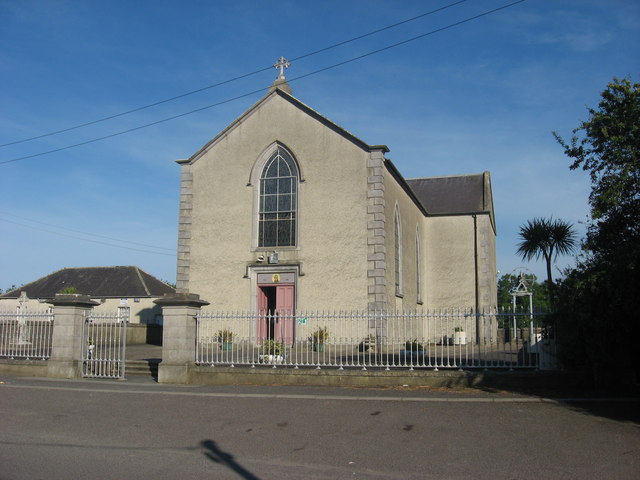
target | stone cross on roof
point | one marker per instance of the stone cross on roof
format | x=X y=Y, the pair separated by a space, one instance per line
x=281 y=64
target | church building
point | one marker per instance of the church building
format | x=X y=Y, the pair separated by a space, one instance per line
x=285 y=210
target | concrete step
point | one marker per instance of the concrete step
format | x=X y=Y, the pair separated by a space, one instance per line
x=142 y=368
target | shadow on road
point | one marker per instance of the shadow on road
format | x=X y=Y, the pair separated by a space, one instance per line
x=618 y=401
x=215 y=454
x=627 y=411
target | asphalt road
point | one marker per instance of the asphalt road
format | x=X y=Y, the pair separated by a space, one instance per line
x=53 y=429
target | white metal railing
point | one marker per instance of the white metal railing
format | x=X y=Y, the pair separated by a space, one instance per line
x=103 y=347
x=433 y=339
x=26 y=335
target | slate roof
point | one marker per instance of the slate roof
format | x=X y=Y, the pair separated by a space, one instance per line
x=451 y=194
x=103 y=282
x=455 y=194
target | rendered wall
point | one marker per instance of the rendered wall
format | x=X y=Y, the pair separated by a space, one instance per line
x=449 y=255
x=487 y=272
x=411 y=218
x=332 y=213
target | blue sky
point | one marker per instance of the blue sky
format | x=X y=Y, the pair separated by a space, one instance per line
x=483 y=95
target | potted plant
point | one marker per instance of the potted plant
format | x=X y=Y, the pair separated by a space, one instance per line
x=368 y=343
x=459 y=336
x=319 y=338
x=68 y=291
x=272 y=351
x=412 y=350
x=225 y=336
x=413 y=346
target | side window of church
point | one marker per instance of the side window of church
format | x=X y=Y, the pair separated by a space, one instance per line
x=278 y=201
x=397 y=240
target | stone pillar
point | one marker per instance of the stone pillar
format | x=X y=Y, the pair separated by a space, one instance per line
x=184 y=228
x=69 y=313
x=179 y=311
x=376 y=233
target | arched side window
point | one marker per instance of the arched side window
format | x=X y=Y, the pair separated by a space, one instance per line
x=418 y=268
x=278 y=207
x=397 y=241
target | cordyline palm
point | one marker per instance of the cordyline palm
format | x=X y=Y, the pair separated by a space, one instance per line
x=546 y=238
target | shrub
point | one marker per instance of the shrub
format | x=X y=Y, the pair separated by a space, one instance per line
x=272 y=347
x=69 y=291
x=225 y=335
x=320 y=336
x=413 y=345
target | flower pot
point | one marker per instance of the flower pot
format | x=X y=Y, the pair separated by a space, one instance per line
x=459 y=338
x=227 y=346
x=272 y=359
x=318 y=347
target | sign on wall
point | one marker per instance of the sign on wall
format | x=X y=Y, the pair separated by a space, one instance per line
x=280 y=277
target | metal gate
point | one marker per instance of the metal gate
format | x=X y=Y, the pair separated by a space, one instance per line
x=103 y=346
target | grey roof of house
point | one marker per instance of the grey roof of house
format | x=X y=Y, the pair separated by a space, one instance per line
x=122 y=282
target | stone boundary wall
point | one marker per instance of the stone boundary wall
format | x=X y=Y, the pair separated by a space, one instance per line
x=332 y=377
x=25 y=368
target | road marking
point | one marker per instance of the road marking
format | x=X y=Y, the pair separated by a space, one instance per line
x=384 y=398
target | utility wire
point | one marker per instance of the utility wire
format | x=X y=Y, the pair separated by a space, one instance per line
x=224 y=82
x=388 y=47
x=86 y=239
x=134 y=128
x=85 y=233
x=315 y=72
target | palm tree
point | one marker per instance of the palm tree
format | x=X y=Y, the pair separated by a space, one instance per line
x=547 y=238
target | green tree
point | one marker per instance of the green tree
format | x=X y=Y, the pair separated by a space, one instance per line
x=607 y=146
x=506 y=284
x=598 y=300
x=10 y=289
x=547 y=238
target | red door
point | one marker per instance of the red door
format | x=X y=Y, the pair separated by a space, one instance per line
x=285 y=310
x=264 y=313
x=276 y=306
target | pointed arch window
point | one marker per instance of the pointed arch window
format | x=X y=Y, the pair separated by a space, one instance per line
x=278 y=208
x=418 y=268
x=397 y=241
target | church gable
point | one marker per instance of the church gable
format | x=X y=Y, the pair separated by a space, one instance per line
x=286 y=206
x=278 y=95
x=280 y=178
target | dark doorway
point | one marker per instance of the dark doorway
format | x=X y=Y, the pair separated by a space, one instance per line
x=270 y=310
x=270 y=293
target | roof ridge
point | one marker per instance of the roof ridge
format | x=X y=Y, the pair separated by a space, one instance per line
x=277 y=92
x=144 y=284
x=95 y=266
x=110 y=281
x=449 y=176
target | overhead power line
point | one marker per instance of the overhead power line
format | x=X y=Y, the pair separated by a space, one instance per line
x=315 y=72
x=85 y=233
x=129 y=130
x=230 y=80
x=403 y=42
x=90 y=240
